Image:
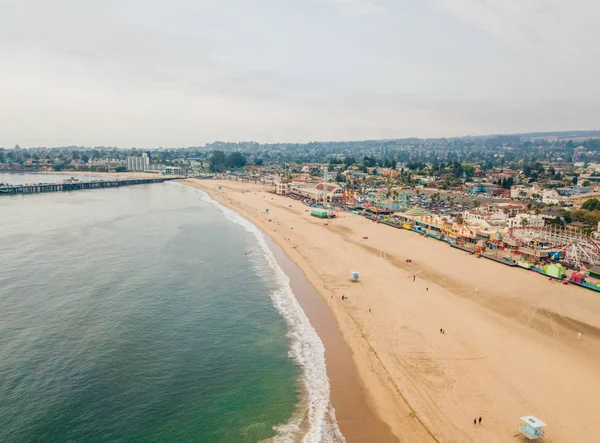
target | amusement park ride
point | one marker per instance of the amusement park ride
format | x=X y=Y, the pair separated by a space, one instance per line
x=572 y=247
x=382 y=199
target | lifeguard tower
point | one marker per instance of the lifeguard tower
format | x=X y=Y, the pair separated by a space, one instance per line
x=533 y=428
x=354 y=276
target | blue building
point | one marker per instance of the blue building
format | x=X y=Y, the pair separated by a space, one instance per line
x=533 y=428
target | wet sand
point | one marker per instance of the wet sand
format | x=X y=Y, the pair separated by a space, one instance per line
x=355 y=416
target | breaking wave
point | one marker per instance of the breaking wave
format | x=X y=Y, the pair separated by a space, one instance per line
x=314 y=420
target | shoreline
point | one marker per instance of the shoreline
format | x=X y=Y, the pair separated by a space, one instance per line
x=348 y=411
x=376 y=381
x=354 y=415
x=511 y=346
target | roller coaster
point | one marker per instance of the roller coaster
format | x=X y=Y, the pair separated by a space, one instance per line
x=574 y=248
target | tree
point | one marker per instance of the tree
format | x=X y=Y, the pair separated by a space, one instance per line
x=258 y=161
x=216 y=161
x=349 y=161
x=586 y=183
x=369 y=162
x=235 y=160
x=339 y=178
x=592 y=204
x=524 y=222
x=457 y=169
x=468 y=171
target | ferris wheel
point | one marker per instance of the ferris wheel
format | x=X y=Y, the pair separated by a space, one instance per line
x=577 y=249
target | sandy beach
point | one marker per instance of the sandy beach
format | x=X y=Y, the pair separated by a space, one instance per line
x=510 y=346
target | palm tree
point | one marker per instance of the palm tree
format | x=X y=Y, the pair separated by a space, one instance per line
x=524 y=222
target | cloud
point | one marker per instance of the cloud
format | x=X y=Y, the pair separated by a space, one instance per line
x=147 y=73
x=548 y=29
x=359 y=7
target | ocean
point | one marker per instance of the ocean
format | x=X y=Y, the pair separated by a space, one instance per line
x=150 y=313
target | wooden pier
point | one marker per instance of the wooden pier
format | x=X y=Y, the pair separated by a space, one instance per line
x=76 y=185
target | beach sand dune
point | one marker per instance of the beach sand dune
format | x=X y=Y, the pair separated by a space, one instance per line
x=510 y=346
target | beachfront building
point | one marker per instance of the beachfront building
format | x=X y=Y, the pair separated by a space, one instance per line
x=172 y=170
x=140 y=164
x=524 y=219
x=317 y=193
x=284 y=186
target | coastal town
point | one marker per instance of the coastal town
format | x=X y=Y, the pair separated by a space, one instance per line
x=447 y=265
x=530 y=202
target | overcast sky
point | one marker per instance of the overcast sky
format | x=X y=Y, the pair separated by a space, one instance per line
x=150 y=73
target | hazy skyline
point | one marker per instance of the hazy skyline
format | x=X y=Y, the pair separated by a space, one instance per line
x=180 y=73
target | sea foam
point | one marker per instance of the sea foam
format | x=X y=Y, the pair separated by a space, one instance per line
x=315 y=421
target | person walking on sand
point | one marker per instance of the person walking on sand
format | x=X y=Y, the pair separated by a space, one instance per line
x=414 y=277
x=427 y=289
x=479 y=420
x=475 y=421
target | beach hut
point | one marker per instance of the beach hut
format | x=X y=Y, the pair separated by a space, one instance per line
x=556 y=270
x=319 y=213
x=354 y=275
x=577 y=277
x=533 y=428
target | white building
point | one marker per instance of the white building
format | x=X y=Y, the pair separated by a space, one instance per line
x=548 y=196
x=523 y=191
x=138 y=163
x=172 y=170
x=477 y=215
x=531 y=220
x=284 y=186
x=113 y=162
x=317 y=193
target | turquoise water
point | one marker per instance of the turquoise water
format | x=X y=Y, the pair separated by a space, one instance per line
x=138 y=314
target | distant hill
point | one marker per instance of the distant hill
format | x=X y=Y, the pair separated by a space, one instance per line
x=551 y=136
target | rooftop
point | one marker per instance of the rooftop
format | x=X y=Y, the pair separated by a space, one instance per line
x=532 y=420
